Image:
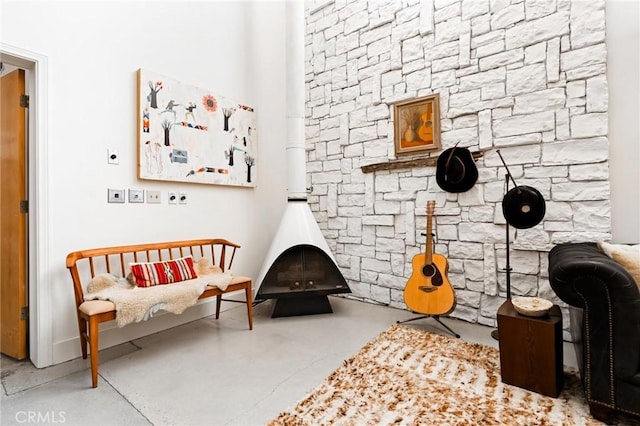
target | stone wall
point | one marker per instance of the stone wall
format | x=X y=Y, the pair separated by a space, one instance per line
x=527 y=77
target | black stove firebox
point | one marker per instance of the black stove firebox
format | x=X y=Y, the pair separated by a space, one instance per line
x=300 y=280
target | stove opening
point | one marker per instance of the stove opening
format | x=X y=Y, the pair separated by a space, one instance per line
x=300 y=279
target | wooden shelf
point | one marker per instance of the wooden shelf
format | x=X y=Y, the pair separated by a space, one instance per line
x=406 y=164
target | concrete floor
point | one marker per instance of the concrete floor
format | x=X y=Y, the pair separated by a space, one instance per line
x=208 y=372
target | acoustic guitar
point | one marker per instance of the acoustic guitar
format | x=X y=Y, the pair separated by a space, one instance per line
x=428 y=290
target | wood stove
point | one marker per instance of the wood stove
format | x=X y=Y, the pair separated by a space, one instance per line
x=299 y=270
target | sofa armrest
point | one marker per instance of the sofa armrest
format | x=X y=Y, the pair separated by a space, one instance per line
x=584 y=261
x=582 y=276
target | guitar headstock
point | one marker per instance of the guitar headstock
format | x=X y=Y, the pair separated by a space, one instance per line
x=431 y=205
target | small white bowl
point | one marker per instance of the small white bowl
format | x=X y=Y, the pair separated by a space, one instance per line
x=531 y=306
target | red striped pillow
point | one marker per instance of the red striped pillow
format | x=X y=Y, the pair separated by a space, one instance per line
x=149 y=274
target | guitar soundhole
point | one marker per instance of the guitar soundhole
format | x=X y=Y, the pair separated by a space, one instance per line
x=432 y=272
x=428 y=270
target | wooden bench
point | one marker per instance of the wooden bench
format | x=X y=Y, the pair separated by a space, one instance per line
x=86 y=264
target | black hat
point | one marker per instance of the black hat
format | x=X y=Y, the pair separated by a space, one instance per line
x=523 y=207
x=456 y=170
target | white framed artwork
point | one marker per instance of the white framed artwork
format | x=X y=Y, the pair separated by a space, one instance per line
x=189 y=134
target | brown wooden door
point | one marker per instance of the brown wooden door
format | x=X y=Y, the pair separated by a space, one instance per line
x=13 y=223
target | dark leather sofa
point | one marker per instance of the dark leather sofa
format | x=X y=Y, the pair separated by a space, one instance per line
x=605 y=326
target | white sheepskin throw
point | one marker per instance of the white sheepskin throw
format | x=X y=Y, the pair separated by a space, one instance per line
x=214 y=274
x=135 y=304
x=627 y=256
x=204 y=267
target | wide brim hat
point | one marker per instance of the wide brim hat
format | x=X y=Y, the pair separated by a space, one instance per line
x=456 y=170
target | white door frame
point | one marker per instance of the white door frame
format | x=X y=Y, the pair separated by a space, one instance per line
x=40 y=318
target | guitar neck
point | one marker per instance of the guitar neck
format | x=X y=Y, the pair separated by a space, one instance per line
x=429 y=251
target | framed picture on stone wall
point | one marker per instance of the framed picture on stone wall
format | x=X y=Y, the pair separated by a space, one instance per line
x=416 y=124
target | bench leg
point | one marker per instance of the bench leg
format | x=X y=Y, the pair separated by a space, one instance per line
x=218 y=303
x=93 y=349
x=248 y=292
x=82 y=328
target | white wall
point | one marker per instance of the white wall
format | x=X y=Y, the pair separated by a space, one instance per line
x=623 y=74
x=93 y=50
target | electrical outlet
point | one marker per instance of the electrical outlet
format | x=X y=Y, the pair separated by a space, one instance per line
x=153 y=197
x=182 y=198
x=136 y=195
x=173 y=198
x=112 y=156
x=115 y=195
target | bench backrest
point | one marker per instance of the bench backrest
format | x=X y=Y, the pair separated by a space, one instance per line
x=86 y=264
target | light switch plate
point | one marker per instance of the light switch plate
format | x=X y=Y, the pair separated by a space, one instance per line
x=115 y=195
x=182 y=198
x=136 y=195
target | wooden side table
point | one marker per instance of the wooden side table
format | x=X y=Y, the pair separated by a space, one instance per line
x=531 y=355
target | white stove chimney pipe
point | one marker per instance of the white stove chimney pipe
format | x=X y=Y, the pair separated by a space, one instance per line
x=296 y=151
x=298 y=226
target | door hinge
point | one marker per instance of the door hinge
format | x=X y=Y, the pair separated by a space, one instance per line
x=24 y=206
x=24 y=313
x=24 y=101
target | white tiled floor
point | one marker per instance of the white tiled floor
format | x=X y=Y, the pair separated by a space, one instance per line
x=209 y=372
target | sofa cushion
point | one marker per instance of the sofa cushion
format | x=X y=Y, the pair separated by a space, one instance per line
x=625 y=255
x=148 y=274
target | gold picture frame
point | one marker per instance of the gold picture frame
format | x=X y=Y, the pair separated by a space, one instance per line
x=416 y=125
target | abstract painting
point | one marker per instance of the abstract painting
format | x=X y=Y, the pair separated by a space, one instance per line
x=188 y=134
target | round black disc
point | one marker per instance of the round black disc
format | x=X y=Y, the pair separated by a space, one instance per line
x=523 y=207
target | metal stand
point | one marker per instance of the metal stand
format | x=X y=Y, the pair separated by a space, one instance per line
x=507 y=268
x=435 y=317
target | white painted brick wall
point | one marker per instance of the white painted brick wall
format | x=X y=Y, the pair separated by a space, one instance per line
x=526 y=77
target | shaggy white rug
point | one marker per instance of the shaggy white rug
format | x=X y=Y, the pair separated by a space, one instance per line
x=407 y=376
